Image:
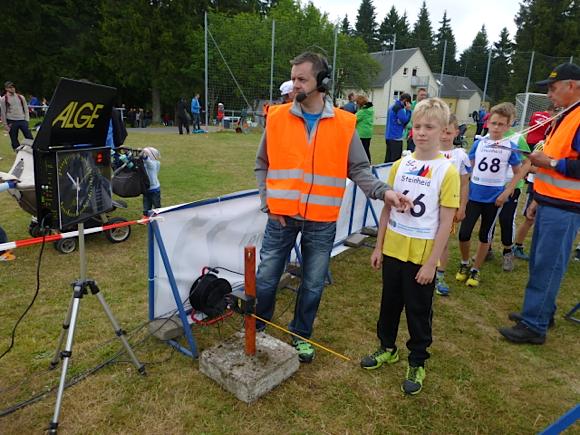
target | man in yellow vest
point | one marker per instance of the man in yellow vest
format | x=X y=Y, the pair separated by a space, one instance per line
x=308 y=150
x=556 y=207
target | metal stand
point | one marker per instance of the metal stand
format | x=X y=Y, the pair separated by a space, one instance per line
x=80 y=288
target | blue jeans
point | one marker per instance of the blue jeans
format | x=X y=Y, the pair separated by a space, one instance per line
x=554 y=234
x=316 y=246
x=16 y=126
x=151 y=200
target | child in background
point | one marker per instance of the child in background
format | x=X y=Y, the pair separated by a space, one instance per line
x=152 y=163
x=220 y=116
x=410 y=244
x=460 y=160
x=486 y=189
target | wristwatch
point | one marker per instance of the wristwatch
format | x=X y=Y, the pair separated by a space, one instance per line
x=553 y=163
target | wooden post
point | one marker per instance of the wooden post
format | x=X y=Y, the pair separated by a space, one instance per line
x=250 y=290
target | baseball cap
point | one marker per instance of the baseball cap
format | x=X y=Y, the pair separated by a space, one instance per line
x=286 y=87
x=8 y=84
x=564 y=71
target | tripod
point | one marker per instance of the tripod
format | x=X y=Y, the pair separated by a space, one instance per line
x=81 y=288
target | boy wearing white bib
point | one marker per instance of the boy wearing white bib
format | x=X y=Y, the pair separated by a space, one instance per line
x=461 y=161
x=490 y=158
x=410 y=244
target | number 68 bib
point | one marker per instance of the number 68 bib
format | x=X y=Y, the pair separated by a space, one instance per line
x=421 y=181
x=491 y=164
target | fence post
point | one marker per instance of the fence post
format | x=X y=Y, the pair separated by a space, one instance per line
x=571 y=59
x=334 y=62
x=206 y=73
x=530 y=71
x=272 y=59
x=391 y=78
x=442 y=68
x=487 y=74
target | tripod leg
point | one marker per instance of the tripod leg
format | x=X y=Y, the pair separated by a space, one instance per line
x=65 y=327
x=66 y=354
x=118 y=331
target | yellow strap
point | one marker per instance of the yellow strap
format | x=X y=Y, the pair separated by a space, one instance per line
x=302 y=338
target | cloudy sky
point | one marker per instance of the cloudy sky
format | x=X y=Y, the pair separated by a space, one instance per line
x=466 y=16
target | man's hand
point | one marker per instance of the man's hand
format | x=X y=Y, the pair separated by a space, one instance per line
x=397 y=200
x=377 y=258
x=278 y=217
x=539 y=159
x=531 y=213
x=500 y=201
x=407 y=105
x=426 y=274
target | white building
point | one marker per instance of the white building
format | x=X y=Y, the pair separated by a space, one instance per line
x=410 y=73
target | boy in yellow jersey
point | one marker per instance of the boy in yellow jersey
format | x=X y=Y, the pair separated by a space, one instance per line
x=410 y=244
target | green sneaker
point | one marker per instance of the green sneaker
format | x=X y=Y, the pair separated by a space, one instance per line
x=305 y=350
x=377 y=359
x=413 y=383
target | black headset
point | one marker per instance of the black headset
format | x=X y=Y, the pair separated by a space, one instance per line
x=324 y=77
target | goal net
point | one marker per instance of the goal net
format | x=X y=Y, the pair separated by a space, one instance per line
x=528 y=103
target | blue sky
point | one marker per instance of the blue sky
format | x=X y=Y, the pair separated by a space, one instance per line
x=466 y=16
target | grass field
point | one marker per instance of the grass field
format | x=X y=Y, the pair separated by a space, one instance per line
x=476 y=382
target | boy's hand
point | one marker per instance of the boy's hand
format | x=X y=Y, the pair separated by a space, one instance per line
x=426 y=274
x=377 y=258
x=500 y=201
x=531 y=213
x=459 y=214
x=398 y=200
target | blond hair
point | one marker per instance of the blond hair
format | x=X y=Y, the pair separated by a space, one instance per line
x=434 y=108
x=453 y=121
x=361 y=100
x=507 y=110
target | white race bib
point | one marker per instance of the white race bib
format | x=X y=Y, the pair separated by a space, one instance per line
x=491 y=163
x=421 y=181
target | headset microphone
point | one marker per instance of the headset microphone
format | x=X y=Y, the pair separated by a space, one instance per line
x=303 y=95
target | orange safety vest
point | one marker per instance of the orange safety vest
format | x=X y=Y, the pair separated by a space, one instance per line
x=549 y=182
x=307 y=179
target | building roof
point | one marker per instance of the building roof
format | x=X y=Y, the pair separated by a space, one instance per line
x=456 y=87
x=384 y=59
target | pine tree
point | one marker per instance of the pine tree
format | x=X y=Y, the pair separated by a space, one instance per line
x=345 y=26
x=473 y=61
x=389 y=26
x=445 y=33
x=366 y=25
x=501 y=55
x=403 y=32
x=422 y=35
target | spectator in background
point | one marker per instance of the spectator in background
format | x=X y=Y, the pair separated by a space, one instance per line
x=195 y=112
x=14 y=113
x=398 y=116
x=484 y=120
x=421 y=95
x=34 y=106
x=287 y=92
x=479 y=121
x=351 y=105
x=182 y=115
x=220 y=115
x=539 y=124
x=365 y=117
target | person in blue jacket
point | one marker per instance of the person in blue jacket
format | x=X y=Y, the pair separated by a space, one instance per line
x=195 y=111
x=398 y=116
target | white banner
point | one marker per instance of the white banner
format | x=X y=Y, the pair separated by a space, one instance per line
x=214 y=233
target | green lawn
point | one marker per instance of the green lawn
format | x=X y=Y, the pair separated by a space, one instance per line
x=476 y=382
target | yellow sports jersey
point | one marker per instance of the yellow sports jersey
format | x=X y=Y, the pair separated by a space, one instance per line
x=418 y=250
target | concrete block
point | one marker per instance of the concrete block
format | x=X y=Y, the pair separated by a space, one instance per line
x=369 y=231
x=249 y=377
x=166 y=328
x=355 y=240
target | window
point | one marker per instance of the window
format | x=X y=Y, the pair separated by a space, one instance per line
x=405 y=71
x=414 y=73
x=396 y=94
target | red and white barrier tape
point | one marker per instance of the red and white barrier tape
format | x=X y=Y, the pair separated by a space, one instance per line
x=59 y=236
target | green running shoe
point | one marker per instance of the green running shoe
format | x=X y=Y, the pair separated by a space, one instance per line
x=305 y=350
x=413 y=383
x=377 y=359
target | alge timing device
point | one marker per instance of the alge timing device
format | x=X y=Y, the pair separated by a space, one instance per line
x=72 y=165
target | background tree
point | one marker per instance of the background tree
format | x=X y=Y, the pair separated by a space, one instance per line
x=394 y=24
x=422 y=35
x=345 y=28
x=501 y=65
x=366 y=25
x=445 y=33
x=473 y=61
